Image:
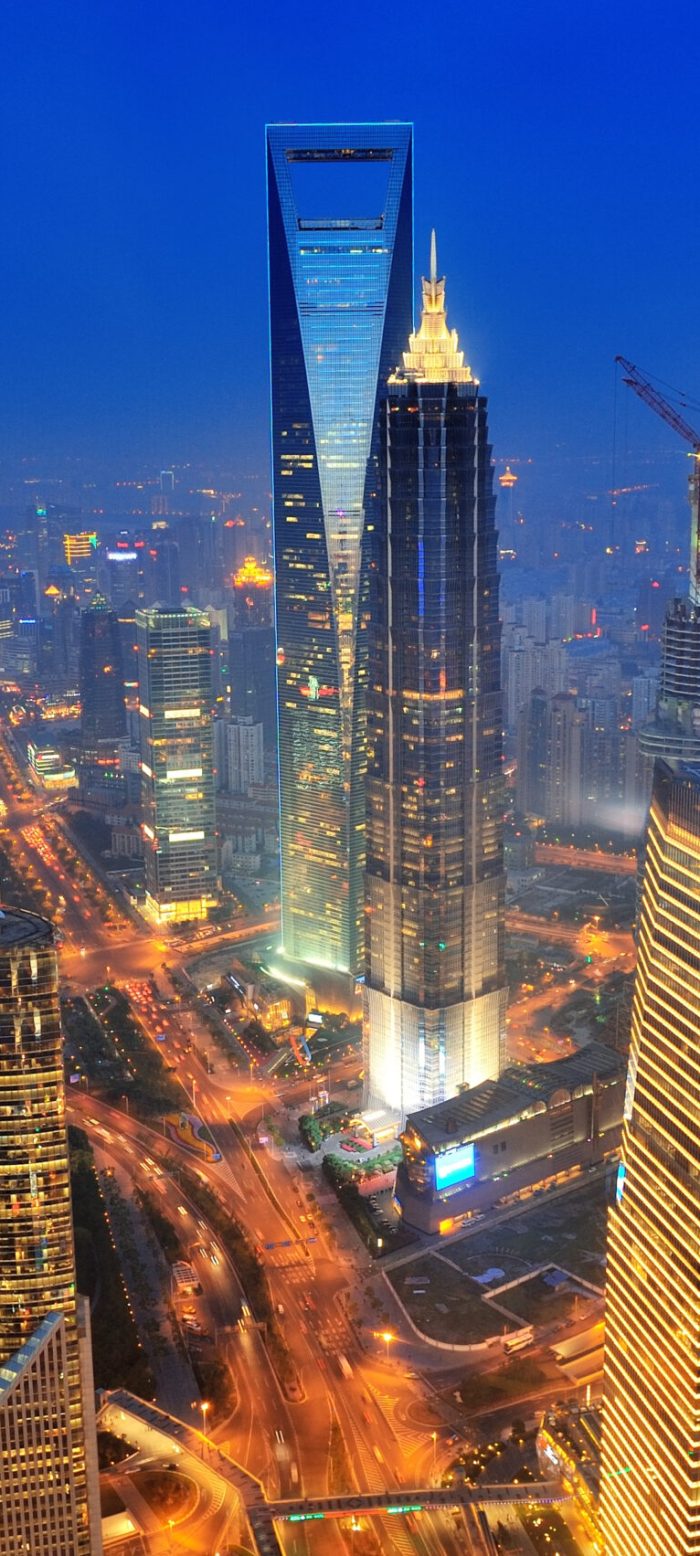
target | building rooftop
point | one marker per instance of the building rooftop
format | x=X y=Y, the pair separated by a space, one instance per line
x=517 y=1089
x=12 y=1369
x=18 y=927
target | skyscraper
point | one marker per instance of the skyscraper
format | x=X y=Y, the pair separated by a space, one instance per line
x=37 y=1260
x=650 y=1488
x=340 y=244
x=177 y=762
x=103 y=716
x=101 y=675
x=42 y=1495
x=531 y=778
x=435 y=981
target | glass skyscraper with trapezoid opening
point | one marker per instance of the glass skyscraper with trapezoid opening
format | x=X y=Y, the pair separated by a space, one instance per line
x=340 y=212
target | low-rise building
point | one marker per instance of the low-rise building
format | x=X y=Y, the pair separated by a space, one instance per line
x=499 y=1141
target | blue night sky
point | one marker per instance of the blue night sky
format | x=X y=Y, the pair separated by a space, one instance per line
x=556 y=153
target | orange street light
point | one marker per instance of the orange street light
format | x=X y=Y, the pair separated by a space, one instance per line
x=387 y=1337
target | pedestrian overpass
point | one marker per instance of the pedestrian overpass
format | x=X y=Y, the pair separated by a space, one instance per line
x=147 y=1427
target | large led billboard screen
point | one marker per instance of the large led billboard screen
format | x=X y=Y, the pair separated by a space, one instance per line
x=454 y=1166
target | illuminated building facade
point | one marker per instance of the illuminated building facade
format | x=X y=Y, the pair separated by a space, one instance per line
x=50 y=767
x=340 y=201
x=252 y=594
x=81 y=555
x=650 y=1486
x=37 y=1259
x=435 y=985
x=537 y=1125
x=177 y=762
x=41 y=1492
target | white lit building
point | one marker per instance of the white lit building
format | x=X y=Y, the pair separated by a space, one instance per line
x=177 y=762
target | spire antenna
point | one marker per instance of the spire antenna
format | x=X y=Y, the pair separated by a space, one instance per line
x=433 y=256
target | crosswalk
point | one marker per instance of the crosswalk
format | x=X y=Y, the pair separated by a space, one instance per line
x=286 y=1256
x=409 y=1437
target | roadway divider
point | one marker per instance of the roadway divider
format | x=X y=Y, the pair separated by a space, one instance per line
x=253 y=1279
x=255 y=1164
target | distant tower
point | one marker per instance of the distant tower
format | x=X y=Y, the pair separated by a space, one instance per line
x=37 y=1264
x=435 y=985
x=650 y=1483
x=531 y=777
x=101 y=675
x=161 y=500
x=177 y=762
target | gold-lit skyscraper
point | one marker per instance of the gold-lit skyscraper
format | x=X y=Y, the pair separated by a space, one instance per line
x=650 y=1489
x=37 y=1259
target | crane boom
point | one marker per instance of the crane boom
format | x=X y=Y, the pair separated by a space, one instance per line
x=656 y=402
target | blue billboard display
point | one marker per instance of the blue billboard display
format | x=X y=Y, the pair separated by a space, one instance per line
x=454 y=1166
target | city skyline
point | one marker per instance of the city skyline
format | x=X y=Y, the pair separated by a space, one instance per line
x=574 y=262
x=350 y=930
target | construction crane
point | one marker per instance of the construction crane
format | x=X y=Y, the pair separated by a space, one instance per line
x=668 y=413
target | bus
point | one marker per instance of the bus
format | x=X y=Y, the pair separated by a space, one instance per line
x=518 y=1341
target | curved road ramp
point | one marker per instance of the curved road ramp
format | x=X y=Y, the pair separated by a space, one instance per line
x=161 y=1436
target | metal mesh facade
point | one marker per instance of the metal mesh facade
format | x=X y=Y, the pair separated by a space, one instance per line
x=340 y=310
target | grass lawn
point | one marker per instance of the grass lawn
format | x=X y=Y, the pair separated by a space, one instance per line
x=535 y=1302
x=569 y=1231
x=516 y=1378
x=444 y=1304
x=170 y=1495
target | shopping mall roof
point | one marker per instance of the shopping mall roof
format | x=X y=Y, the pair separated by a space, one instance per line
x=517 y=1090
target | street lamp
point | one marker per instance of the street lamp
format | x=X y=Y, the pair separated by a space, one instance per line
x=204 y=1408
x=387 y=1337
x=434 y=1437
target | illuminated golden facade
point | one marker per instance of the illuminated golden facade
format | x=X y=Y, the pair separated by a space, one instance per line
x=650 y=1489
x=37 y=1260
x=252 y=575
x=77 y=548
x=433 y=355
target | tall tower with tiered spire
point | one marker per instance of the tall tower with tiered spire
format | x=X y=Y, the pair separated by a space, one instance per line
x=435 y=983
